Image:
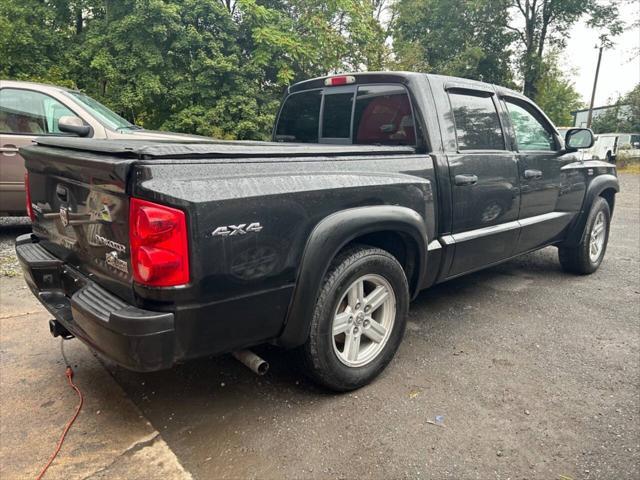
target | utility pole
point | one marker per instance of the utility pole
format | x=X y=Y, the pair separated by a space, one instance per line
x=595 y=84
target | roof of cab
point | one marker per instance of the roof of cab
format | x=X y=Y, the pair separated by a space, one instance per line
x=400 y=77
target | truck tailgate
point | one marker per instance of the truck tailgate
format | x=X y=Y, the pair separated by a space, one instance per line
x=81 y=212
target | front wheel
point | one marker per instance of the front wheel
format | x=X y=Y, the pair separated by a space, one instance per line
x=359 y=319
x=588 y=255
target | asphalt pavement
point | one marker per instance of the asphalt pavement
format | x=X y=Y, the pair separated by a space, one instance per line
x=519 y=371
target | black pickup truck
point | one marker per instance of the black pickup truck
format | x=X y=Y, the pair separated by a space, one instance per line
x=375 y=187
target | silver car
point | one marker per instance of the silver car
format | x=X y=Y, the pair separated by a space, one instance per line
x=29 y=110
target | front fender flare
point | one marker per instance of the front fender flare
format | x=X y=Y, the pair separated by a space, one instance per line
x=328 y=237
x=598 y=185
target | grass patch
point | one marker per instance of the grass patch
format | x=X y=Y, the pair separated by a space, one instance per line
x=630 y=168
x=626 y=163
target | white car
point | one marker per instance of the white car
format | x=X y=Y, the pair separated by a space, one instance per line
x=608 y=145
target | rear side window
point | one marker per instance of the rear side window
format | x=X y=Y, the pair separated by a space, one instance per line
x=366 y=114
x=477 y=123
x=300 y=117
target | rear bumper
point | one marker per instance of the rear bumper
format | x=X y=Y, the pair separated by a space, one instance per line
x=137 y=339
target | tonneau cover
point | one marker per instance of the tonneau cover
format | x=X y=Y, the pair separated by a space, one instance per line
x=149 y=149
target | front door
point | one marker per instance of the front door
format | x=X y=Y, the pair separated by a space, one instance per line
x=550 y=196
x=484 y=184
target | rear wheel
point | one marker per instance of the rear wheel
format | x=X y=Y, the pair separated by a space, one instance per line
x=359 y=319
x=588 y=255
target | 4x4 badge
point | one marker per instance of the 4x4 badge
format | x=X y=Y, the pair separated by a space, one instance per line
x=231 y=230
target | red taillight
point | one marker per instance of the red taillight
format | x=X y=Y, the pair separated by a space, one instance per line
x=27 y=190
x=340 y=80
x=159 y=249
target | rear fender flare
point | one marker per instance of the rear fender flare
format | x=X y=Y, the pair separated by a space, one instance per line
x=595 y=188
x=327 y=239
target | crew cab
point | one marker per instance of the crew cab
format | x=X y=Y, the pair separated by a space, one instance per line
x=375 y=187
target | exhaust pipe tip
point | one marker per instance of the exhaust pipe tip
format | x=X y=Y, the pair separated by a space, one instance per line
x=253 y=362
x=263 y=368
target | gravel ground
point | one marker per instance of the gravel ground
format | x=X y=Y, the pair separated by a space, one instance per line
x=520 y=371
x=10 y=228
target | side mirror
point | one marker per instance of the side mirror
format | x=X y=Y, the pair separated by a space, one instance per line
x=578 y=138
x=74 y=125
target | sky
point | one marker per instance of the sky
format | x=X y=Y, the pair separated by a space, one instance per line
x=619 y=71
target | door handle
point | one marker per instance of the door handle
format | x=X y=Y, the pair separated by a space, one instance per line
x=9 y=150
x=465 y=179
x=532 y=174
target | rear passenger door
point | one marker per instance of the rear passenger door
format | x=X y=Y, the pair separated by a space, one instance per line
x=483 y=173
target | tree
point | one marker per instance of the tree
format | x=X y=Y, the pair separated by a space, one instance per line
x=33 y=40
x=623 y=117
x=213 y=67
x=557 y=95
x=466 y=38
x=546 y=23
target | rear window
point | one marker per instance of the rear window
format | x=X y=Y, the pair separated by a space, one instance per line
x=366 y=114
x=477 y=123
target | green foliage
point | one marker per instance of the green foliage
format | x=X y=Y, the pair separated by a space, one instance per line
x=212 y=67
x=465 y=38
x=557 y=95
x=219 y=67
x=623 y=118
x=31 y=34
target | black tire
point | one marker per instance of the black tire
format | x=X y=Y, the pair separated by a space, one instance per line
x=578 y=259
x=318 y=356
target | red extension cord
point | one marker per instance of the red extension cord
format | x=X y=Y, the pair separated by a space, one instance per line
x=69 y=374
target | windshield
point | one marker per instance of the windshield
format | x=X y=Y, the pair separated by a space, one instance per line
x=105 y=116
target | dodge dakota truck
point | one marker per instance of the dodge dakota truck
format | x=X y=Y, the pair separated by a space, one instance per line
x=375 y=186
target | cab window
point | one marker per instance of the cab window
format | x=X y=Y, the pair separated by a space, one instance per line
x=531 y=133
x=336 y=116
x=383 y=116
x=366 y=114
x=300 y=117
x=476 y=122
